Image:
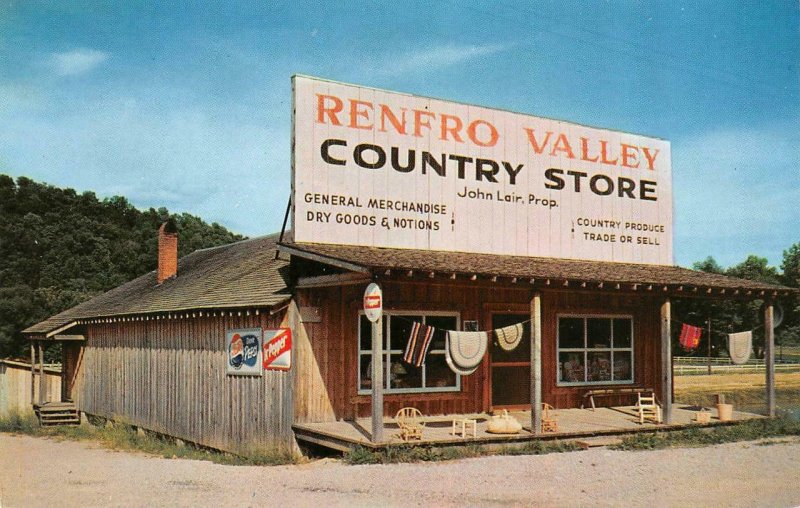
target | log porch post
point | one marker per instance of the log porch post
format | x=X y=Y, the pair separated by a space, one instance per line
x=33 y=372
x=769 y=356
x=666 y=360
x=536 y=364
x=377 y=380
x=42 y=386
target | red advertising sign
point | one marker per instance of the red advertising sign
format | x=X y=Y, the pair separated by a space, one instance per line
x=277 y=350
x=373 y=302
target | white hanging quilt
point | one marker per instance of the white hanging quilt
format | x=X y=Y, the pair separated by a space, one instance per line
x=740 y=345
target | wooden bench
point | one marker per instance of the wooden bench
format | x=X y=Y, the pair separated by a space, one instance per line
x=608 y=392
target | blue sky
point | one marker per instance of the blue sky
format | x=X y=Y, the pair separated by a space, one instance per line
x=187 y=105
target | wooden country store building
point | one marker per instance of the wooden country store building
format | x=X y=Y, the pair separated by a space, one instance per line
x=153 y=353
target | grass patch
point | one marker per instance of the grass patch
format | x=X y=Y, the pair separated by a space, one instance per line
x=750 y=430
x=122 y=436
x=400 y=454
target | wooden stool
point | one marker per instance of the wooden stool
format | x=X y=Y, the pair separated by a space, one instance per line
x=465 y=425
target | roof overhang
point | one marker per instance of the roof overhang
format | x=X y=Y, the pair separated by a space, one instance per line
x=539 y=273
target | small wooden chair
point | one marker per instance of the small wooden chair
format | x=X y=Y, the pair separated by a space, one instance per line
x=409 y=419
x=549 y=421
x=648 y=408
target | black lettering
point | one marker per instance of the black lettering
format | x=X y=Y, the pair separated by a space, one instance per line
x=552 y=174
x=358 y=155
x=512 y=172
x=409 y=167
x=646 y=188
x=462 y=162
x=609 y=185
x=481 y=173
x=429 y=161
x=626 y=186
x=577 y=175
x=327 y=156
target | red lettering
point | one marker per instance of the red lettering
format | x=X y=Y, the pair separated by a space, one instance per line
x=585 y=151
x=357 y=112
x=538 y=148
x=399 y=125
x=331 y=112
x=454 y=130
x=562 y=145
x=604 y=154
x=420 y=122
x=651 y=158
x=630 y=152
x=473 y=135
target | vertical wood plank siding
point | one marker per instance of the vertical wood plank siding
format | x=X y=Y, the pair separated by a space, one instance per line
x=327 y=367
x=168 y=375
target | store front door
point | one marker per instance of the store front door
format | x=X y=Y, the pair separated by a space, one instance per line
x=510 y=370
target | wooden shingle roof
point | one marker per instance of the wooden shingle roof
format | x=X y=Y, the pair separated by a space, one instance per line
x=244 y=274
x=542 y=270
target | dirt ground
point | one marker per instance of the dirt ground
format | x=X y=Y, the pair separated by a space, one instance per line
x=44 y=472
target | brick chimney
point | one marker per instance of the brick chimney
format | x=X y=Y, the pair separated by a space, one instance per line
x=167 y=251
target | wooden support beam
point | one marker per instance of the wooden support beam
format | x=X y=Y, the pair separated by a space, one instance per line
x=769 y=357
x=377 y=381
x=33 y=373
x=536 y=364
x=42 y=384
x=666 y=360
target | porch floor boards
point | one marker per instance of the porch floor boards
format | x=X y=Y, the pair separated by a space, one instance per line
x=572 y=423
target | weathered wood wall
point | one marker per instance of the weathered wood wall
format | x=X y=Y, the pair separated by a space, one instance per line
x=15 y=387
x=169 y=376
x=328 y=376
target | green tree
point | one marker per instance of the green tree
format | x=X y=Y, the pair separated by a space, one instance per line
x=58 y=248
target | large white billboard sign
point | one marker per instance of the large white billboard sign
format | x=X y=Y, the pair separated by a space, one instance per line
x=385 y=169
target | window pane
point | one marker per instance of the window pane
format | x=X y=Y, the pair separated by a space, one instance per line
x=438 y=374
x=570 y=333
x=403 y=375
x=598 y=332
x=400 y=329
x=622 y=366
x=571 y=367
x=442 y=324
x=600 y=366
x=365 y=339
x=365 y=372
x=622 y=332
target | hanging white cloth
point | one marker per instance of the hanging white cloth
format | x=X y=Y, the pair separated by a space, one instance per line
x=467 y=348
x=455 y=368
x=740 y=345
x=509 y=337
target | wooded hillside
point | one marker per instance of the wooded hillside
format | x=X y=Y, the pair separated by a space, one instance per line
x=59 y=248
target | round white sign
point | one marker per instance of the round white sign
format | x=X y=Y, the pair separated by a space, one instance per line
x=373 y=302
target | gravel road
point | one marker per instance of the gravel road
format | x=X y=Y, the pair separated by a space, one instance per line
x=45 y=472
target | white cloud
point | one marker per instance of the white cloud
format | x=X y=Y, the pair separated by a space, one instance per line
x=76 y=62
x=432 y=58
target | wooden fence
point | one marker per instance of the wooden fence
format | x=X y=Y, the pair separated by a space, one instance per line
x=15 y=386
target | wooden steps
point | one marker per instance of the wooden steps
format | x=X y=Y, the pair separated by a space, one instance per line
x=57 y=413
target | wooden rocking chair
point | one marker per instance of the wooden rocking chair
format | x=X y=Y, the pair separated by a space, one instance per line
x=409 y=419
x=648 y=408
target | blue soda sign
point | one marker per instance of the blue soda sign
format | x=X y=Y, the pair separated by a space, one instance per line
x=244 y=351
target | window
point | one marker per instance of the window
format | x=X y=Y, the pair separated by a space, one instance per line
x=399 y=377
x=595 y=350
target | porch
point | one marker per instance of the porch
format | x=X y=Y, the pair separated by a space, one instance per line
x=572 y=424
